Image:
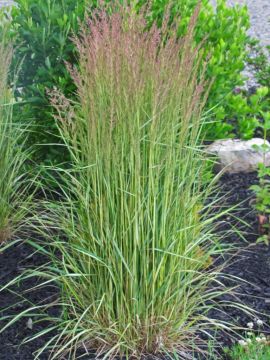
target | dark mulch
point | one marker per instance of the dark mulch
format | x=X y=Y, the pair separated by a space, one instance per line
x=252 y=263
x=13 y=262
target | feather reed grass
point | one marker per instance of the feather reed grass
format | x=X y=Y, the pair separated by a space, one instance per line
x=133 y=259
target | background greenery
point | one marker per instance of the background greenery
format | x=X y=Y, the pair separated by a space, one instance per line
x=42 y=31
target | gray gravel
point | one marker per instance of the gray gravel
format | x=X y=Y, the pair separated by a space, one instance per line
x=260 y=18
x=5 y=2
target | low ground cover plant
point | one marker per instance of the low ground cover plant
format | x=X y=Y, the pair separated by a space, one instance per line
x=262 y=190
x=252 y=347
x=14 y=200
x=134 y=252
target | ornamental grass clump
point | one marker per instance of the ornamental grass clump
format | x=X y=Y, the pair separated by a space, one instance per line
x=14 y=201
x=134 y=253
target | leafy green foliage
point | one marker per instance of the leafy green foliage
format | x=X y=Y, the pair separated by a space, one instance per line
x=224 y=34
x=246 y=112
x=259 y=61
x=262 y=190
x=226 y=43
x=253 y=347
x=43 y=28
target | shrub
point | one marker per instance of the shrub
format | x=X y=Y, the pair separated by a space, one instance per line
x=42 y=30
x=224 y=31
x=259 y=63
x=134 y=266
x=246 y=110
x=14 y=201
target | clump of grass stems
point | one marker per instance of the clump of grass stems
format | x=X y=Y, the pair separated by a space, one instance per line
x=133 y=255
x=14 y=197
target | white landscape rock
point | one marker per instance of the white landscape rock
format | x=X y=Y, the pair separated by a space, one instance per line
x=234 y=156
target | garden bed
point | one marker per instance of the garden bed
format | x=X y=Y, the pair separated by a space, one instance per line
x=119 y=104
x=251 y=263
